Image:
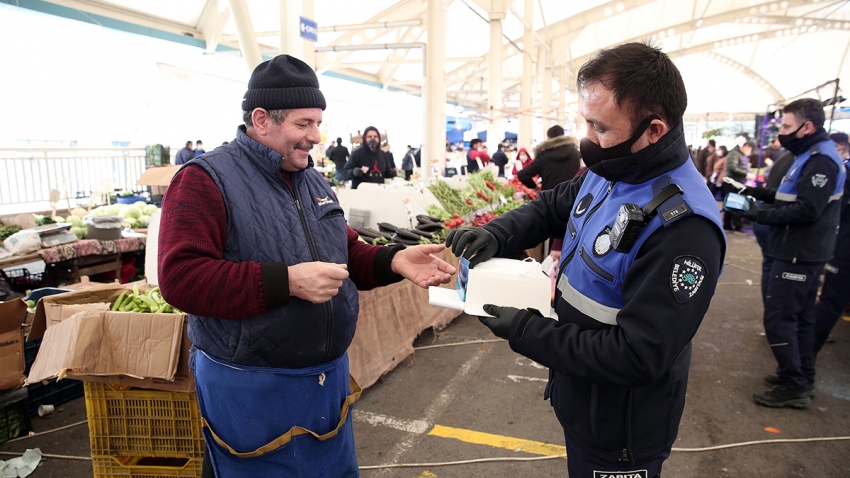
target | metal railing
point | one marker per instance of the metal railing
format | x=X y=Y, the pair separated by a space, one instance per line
x=27 y=175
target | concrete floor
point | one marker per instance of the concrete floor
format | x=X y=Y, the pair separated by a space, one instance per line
x=487 y=388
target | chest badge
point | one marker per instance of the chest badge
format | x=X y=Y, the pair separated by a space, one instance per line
x=602 y=244
x=583 y=205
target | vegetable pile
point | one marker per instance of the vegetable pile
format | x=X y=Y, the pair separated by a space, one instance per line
x=151 y=301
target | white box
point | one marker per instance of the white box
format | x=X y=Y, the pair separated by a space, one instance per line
x=503 y=282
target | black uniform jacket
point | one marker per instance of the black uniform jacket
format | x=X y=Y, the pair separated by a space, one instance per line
x=804 y=230
x=619 y=390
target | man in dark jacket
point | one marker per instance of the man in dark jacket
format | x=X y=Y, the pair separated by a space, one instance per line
x=701 y=158
x=339 y=156
x=280 y=271
x=737 y=169
x=185 y=154
x=556 y=160
x=500 y=159
x=803 y=226
x=368 y=164
x=407 y=163
x=631 y=293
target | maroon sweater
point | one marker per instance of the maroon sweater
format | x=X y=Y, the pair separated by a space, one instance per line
x=195 y=277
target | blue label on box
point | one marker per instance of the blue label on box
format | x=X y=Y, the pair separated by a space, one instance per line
x=462 y=278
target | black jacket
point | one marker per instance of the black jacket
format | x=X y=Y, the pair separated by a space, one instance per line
x=842 y=243
x=339 y=155
x=379 y=165
x=184 y=156
x=620 y=387
x=556 y=161
x=804 y=230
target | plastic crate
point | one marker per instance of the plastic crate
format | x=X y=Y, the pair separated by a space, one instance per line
x=21 y=280
x=54 y=393
x=145 y=467
x=140 y=422
x=14 y=415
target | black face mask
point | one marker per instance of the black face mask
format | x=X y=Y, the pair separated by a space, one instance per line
x=372 y=144
x=593 y=154
x=787 y=140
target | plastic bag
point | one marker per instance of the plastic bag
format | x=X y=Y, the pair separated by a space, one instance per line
x=22 y=242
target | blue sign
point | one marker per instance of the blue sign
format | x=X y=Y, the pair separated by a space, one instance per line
x=309 y=30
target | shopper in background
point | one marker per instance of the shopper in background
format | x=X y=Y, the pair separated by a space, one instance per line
x=450 y=148
x=407 y=163
x=620 y=350
x=255 y=248
x=476 y=158
x=368 y=164
x=339 y=156
x=556 y=160
x=199 y=148
x=835 y=294
x=500 y=159
x=718 y=172
x=803 y=226
x=184 y=155
x=523 y=160
x=701 y=159
x=738 y=169
x=774 y=152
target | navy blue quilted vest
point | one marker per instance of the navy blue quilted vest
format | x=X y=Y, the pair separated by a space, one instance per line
x=269 y=222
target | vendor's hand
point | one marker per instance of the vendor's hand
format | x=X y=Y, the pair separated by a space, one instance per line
x=751 y=213
x=479 y=243
x=500 y=323
x=418 y=265
x=317 y=282
x=365 y=169
x=735 y=184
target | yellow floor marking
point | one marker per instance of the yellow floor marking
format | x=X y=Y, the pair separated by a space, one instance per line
x=498 y=441
x=427 y=474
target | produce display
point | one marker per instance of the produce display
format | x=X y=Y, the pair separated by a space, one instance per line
x=151 y=301
x=6 y=231
x=136 y=215
x=430 y=230
x=478 y=203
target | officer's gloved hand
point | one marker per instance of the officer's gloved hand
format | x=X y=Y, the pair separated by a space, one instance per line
x=500 y=323
x=735 y=184
x=751 y=213
x=480 y=244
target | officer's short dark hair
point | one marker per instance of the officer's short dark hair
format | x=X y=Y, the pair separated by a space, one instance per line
x=643 y=79
x=807 y=109
x=555 y=131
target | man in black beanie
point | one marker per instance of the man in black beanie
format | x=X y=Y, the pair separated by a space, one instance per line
x=368 y=164
x=259 y=255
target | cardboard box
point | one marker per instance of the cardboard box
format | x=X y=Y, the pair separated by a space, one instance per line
x=158 y=176
x=125 y=348
x=12 y=317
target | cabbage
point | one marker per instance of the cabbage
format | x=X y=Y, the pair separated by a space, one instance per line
x=130 y=221
x=143 y=221
x=78 y=212
x=150 y=209
x=76 y=221
x=113 y=210
x=58 y=219
x=77 y=231
x=141 y=204
x=131 y=211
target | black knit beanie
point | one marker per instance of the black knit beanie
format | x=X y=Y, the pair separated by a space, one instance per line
x=283 y=83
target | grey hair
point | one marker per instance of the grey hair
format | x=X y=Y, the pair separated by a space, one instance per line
x=276 y=115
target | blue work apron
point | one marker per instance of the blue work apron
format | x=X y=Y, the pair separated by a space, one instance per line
x=272 y=422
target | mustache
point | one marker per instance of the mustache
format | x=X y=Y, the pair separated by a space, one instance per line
x=304 y=145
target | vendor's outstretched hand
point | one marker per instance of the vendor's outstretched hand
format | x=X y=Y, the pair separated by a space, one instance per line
x=500 y=323
x=418 y=265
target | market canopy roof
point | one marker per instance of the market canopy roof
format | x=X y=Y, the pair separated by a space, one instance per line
x=735 y=55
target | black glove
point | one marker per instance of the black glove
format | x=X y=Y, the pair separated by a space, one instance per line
x=751 y=213
x=480 y=244
x=357 y=172
x=500 y=323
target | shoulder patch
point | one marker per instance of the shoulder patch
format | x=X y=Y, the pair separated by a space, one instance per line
x=686 y=277
x=819 y=180
x=583 y=205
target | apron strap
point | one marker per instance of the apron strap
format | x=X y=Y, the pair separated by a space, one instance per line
x=296 y=430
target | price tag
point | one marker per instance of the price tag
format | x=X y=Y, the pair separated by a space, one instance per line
x=502 y=199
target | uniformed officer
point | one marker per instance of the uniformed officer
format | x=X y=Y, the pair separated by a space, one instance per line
x=643 y=249
x=835 y=294
x=804 y=222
